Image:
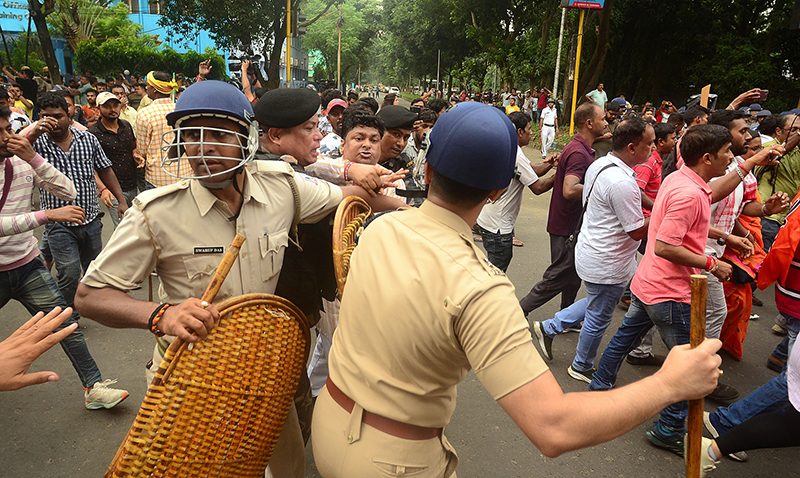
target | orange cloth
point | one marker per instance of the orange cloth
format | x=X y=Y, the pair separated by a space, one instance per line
x=776 y=264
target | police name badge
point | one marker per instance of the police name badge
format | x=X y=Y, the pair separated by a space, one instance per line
x=209 y=249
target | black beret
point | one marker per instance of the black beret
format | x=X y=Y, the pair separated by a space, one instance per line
x=286 y=107
x=396 y=116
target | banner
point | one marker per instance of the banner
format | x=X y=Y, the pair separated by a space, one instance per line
x=596 y=4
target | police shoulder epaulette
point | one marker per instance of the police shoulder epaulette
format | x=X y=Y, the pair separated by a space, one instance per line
x=269 y=166
x=146 y=197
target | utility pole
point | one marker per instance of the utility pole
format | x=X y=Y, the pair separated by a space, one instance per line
x=558 y=55
x=577 y=72
x=339 y=51
x=288 y=43
x=438 y=66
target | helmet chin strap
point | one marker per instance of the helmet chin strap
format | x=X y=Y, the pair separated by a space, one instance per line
x=222 y=184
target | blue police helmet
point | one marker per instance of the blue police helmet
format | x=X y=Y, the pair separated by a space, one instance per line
x=475 y=145
x=212 y=98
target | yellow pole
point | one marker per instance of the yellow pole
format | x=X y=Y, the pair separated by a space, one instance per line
x=577 y=71
x=288 y=43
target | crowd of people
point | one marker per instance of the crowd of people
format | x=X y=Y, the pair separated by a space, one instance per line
x=692 y=191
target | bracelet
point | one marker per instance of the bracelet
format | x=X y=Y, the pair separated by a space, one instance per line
x=199 y=78
x=709 y=263
x=740 y=173
x=763 y=210
x=104 y=189
x=347 y=168
x=746 y=172
x=155 y=317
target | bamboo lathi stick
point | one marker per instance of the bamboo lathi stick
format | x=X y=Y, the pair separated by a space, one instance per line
x=694 y=427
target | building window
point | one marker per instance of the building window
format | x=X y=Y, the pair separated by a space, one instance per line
x=133 y=5
x=155 y=7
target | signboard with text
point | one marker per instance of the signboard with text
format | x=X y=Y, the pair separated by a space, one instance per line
x=596 y=4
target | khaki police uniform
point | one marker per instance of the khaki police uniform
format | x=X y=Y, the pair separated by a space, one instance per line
x=399 y=352
x=182 y=231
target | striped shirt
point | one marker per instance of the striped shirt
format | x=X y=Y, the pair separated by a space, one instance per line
x=151 y=125
x=85 y=156
x=17 y=222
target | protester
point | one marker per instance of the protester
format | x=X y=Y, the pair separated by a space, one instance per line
x=565 y=208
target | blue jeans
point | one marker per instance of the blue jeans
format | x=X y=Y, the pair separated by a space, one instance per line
x=770 y=397
x=499 y=248
x=34 y=287
x=112 y=211
x=769 y=231
x=73 y=248
x=596 y=310
x=601 y=299
x=673 y=320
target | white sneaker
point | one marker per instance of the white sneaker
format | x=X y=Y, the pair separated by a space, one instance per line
x=707 y=464
x=739 y=455
x=102 y=396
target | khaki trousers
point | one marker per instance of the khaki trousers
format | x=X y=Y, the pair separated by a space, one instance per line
x=345 y=447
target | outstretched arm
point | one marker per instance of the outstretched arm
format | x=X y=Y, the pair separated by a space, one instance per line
x=557 y=422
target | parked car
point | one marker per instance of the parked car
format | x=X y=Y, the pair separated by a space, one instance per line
x=394 y=90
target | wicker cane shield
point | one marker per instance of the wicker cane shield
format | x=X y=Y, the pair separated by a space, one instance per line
x=216 y=409
x=351 y=215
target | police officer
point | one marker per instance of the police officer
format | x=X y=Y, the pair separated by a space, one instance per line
x=399 y=353
x=182 y=230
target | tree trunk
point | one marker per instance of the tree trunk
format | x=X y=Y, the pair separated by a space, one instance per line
x=275 y=50
x=595 y=68
x=39 y=14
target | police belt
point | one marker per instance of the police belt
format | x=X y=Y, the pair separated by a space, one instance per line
x=550 y=125
x=378 y=422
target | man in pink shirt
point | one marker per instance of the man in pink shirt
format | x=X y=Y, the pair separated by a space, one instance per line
x=675 y=251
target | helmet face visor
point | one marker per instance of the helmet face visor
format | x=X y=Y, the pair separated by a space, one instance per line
x=210 y=149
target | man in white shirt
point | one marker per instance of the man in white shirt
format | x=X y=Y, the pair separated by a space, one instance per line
x=605 y=254
x=497 y=218
x=548 y=124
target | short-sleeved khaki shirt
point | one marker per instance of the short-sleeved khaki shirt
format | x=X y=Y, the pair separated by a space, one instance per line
x=182 y=231
x=422 y=306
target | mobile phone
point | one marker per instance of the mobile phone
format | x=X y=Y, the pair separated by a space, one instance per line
x=416 y=110
x=764 y=94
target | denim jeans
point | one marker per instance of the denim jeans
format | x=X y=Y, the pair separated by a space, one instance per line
x=601 y=299
x=673 y=320
x=34 y=287
x=770 y=397
x=73 y=248
x=112 y=211
x=769 y=231
x=499 y=247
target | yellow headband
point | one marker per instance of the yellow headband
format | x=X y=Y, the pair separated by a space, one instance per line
x=165 y=87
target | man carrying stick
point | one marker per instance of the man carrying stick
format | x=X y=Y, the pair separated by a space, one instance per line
x=182 y=230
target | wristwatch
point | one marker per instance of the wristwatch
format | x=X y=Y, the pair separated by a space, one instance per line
x=721 y=240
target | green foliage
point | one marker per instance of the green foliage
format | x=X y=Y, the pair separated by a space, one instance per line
x=111 y=57
x=16 y=45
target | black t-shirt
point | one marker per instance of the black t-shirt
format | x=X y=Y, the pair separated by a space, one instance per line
x=119 y=149
x=29 y=88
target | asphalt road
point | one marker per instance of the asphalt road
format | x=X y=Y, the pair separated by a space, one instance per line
x=46 y=431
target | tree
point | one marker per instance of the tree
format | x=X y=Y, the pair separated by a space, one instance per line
x=39 y=12
x=236 y=25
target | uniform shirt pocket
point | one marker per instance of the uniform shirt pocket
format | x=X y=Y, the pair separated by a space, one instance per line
x=201 y=266
x=272 y=247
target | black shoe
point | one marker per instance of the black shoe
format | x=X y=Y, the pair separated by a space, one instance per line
x=776 y=364
x=723 y=393
x=649 y=361
x=670 y=440
x=757 y=302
